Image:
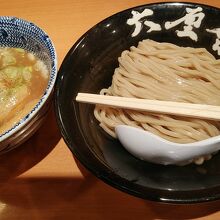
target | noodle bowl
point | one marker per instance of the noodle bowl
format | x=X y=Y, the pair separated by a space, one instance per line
x=164 y=71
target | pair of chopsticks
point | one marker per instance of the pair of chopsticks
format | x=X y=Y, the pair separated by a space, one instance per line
x=202 y=111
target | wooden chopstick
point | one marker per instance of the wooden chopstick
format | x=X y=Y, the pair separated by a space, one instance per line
x=203 y=111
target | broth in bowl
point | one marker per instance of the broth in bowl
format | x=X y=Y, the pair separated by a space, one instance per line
x=23 y=80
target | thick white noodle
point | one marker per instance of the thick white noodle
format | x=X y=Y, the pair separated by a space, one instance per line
x=164 y=71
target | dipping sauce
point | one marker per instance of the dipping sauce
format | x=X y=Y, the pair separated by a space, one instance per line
x=23 y=80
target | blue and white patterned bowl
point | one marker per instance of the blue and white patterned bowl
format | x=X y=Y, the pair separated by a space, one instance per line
x=16 y=32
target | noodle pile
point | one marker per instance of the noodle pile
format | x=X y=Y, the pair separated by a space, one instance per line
x=164 y=71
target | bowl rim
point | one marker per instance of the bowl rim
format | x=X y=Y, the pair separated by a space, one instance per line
x=47 y=92
x=104 y=175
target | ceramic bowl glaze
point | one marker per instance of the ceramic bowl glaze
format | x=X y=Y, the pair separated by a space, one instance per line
x=89 y=66
x=16 y=32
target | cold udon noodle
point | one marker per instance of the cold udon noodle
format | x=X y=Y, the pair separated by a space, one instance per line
x=164 y=71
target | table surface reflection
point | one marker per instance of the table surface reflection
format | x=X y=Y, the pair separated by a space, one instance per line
x=41 y=179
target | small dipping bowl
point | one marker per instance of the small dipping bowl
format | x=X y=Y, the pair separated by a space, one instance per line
x=16 y=32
